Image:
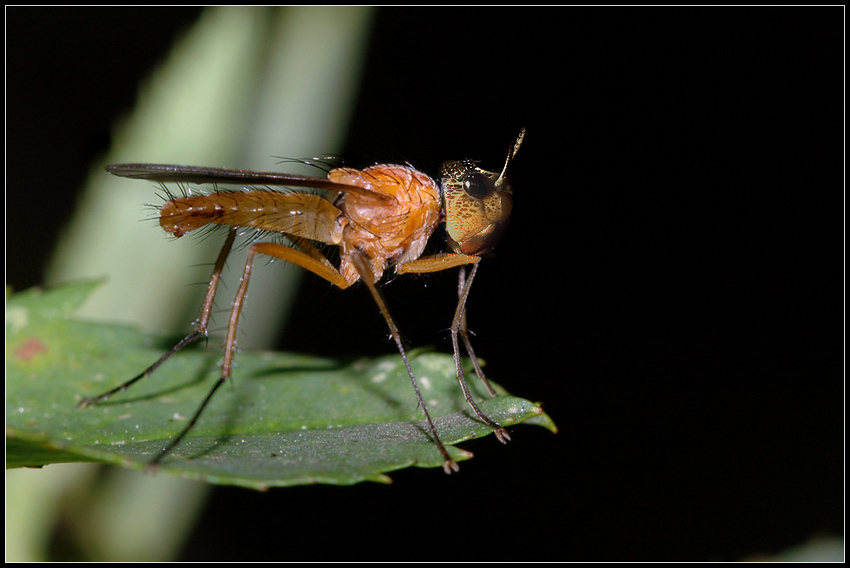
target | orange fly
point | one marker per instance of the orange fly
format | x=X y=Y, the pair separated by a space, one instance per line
x=380 y=216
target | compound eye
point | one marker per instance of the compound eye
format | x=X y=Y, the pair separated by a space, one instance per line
x=477 y=186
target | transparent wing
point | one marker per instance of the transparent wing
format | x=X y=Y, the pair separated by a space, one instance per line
x=199 y=174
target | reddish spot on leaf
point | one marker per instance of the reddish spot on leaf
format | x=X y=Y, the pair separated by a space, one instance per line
x=30 y=348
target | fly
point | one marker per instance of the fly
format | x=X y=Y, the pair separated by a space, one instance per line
x=380 y=217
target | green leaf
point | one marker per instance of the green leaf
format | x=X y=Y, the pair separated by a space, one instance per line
x=288 y=419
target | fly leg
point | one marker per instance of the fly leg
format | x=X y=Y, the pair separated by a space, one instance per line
x=458 y=323
x=444 y=262
x=200 y=327
x=449 y=465
x=229 y=349
x=314 y=262
x=461 y=284
x=310 y=260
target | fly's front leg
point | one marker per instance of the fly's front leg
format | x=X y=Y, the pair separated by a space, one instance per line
x=464 y=335
x=457 y=323
x=200 y=326
x=444 y=262
x=362 y=266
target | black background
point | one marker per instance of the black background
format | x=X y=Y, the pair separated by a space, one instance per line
x=670 y=287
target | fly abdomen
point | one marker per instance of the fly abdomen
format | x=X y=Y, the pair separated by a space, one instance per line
x=179 y=216
x=298 y=214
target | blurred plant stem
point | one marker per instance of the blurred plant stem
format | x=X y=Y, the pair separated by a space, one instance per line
x=244 y=84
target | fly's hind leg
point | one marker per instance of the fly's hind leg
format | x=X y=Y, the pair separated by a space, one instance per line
x=200 y=327
x=312 y=261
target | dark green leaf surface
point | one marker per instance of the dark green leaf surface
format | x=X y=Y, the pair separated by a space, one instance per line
x=287 y=419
